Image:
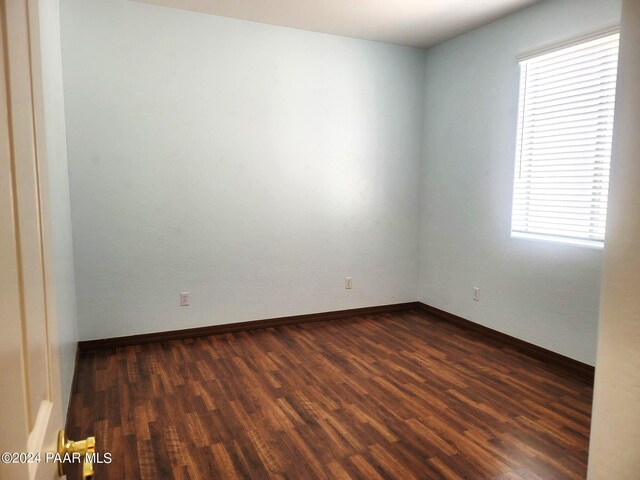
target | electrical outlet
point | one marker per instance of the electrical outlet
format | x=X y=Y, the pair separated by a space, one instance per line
x=184 y=299
x=348 y=283
x=476 y=294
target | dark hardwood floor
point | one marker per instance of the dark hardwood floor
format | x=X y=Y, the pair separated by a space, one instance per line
x=384 y=396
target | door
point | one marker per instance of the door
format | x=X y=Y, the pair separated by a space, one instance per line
x=30 y=401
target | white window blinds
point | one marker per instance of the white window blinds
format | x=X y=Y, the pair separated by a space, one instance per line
x=565 y=128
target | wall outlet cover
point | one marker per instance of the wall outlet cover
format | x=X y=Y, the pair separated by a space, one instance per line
x=184 y=299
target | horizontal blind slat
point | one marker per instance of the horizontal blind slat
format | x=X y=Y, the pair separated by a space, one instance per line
x=585 y=92
x=535 y=170
x=552 y=229
x=593 y=213
x=595 y=101
x=599 y=115
x=576 y=51
x=586 y=130
x=600 y=74
x=581 y=111
x=579 y=217
x=601 y=66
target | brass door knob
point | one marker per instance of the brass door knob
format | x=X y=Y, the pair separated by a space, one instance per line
x=83 y=449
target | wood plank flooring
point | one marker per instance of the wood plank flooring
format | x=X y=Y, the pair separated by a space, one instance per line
x=389 y=396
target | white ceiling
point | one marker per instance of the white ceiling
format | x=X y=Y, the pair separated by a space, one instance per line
x=419 y=23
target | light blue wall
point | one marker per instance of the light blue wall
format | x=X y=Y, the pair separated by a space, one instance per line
x=254 y=166
x=547 y=294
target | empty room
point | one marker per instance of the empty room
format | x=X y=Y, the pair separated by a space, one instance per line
x=289 y=239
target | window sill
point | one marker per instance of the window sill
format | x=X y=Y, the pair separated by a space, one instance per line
x=594 y=244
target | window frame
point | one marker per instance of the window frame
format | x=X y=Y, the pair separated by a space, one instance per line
x=523 y=57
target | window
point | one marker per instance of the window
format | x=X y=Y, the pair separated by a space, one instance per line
x=565 y=127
